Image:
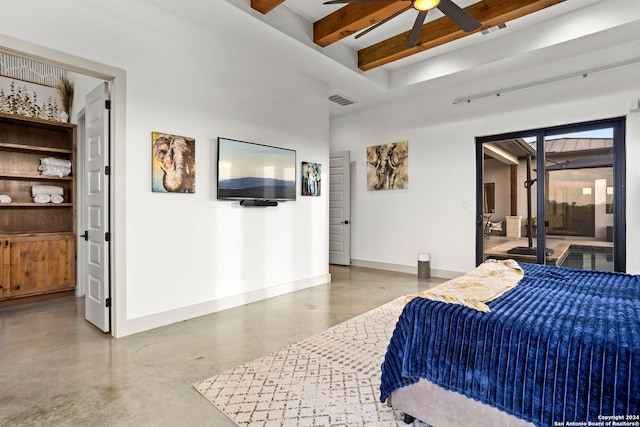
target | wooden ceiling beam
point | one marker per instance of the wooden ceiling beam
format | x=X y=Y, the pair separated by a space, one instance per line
x=265 y=6
x=443 y=30
x=351 y=19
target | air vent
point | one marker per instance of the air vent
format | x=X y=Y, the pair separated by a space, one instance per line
x=493 y=29
x=342 y=100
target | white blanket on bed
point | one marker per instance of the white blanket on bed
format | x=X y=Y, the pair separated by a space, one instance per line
x=481 y=285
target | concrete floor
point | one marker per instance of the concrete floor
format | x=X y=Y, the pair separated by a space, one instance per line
x=58 y=370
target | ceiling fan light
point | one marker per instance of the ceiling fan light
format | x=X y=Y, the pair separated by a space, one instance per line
x=425 y=4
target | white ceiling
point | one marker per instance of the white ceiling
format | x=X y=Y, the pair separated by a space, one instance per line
x=564 y=39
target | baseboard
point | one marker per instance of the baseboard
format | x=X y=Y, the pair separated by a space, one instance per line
x=141 y=324
x=34 y=298
x=399 y=268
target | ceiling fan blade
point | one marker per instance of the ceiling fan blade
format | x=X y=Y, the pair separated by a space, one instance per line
x=377 y=24
x=417 y=27
x=354 y=1
x=461 y=18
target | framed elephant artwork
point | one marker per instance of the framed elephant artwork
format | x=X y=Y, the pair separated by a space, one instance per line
x=173 y=163
x=311 y=175
x=388 y=166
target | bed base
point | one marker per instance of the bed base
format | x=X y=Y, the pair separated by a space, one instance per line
x=439 y=407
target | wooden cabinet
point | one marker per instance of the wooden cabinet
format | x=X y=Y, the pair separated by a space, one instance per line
x=37 y=239
x=35 y=264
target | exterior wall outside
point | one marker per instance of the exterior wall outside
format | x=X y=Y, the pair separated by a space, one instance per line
x=499 y=173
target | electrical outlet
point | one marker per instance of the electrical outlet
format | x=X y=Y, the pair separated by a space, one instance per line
x=242 y=274
x=464 y=205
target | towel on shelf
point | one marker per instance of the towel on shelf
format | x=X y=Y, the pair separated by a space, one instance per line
x=55 y=171
x=46 y=189
x=57 y=198
x=5 y=198
x=52 y=161
x=42 y=198
x=50 y=166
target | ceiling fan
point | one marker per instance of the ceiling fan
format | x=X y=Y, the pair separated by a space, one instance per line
x=458 y=15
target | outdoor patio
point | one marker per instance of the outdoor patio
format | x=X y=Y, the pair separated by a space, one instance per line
x=497 y=247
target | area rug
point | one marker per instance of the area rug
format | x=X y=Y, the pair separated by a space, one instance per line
x=329 y=379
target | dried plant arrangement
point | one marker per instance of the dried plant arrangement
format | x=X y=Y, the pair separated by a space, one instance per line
x=65 y=89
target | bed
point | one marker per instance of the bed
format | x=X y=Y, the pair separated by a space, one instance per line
x=560 y=347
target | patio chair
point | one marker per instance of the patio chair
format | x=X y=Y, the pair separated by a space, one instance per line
x=490 y=227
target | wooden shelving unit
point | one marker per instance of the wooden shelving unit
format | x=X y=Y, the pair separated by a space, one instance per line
x=37 y=240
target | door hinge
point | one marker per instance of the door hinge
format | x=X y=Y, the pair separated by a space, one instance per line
x=107 y=104
x=107 y=170
x=107 y=302
x=107 y=237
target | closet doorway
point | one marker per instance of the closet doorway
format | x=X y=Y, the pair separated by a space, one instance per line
x=92 y=249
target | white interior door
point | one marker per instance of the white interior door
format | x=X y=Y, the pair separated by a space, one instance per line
x=95 y=243
x=81 y=255
x=339 y=209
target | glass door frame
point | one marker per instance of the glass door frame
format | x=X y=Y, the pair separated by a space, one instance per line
x=618 y=126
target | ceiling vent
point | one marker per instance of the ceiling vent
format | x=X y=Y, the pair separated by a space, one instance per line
x=493 y=29
x=342 y=100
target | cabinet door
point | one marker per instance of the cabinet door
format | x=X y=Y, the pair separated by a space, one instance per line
x=40 y=264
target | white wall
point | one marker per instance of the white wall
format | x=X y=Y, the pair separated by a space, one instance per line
x=437 y=213
x=189 y=254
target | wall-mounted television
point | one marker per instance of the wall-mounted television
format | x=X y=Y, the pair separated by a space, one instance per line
x=249 y=171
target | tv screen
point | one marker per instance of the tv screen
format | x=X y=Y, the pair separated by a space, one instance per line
x=248 y=171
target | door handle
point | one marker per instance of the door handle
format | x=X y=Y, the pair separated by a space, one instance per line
x=85 y=236
x=345 y=222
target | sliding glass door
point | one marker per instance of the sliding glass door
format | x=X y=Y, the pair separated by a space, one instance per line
x=553 y=196
x=579 y=196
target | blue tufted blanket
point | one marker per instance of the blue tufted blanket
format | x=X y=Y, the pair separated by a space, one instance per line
x=563 y=346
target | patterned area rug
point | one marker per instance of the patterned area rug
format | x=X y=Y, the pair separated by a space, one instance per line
x=329 y=379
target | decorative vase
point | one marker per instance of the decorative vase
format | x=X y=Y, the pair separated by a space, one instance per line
x=64 y=117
